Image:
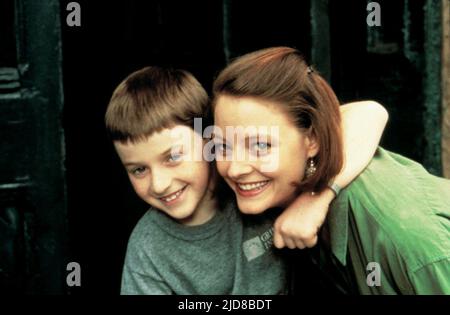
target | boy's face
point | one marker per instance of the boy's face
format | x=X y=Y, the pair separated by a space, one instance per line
x=165 y=172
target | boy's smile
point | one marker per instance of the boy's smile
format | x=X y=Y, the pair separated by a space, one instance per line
x=164 y=173
x=173 y=198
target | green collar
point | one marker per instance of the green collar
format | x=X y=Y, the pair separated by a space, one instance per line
x=337 y=222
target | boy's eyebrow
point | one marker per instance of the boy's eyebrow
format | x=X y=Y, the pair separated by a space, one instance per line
x=132 y=163
x=166 y=152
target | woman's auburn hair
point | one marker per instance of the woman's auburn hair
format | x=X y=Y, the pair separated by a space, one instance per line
x=282 y=76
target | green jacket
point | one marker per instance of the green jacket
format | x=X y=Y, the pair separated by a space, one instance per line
x=396 y=215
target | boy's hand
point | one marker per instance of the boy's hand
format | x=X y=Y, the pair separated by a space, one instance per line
x=299 y=224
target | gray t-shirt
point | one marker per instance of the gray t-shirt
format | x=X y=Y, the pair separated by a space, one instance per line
x=232 y=253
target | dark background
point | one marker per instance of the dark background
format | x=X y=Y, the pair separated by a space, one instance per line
x=394 y=64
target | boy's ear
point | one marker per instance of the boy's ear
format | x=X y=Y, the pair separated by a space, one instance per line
x=312 y=145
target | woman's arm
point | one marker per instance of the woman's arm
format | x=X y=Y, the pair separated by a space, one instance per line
x=363 y=124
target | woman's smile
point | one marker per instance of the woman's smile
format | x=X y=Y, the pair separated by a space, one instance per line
x=251 y=189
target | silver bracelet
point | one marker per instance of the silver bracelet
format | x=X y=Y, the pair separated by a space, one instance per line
x=335 y=188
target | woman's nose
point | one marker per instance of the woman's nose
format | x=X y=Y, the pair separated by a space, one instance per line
x=238 y=169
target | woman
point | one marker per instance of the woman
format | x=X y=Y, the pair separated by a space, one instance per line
x=393 y=220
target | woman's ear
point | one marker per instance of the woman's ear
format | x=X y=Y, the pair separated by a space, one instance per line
x=312 y=145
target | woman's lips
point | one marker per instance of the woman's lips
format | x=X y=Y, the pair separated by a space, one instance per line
x=251 y=189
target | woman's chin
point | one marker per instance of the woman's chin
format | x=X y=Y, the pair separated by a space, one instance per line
x=247 y=208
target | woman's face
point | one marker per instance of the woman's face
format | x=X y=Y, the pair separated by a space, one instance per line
x=264 y=156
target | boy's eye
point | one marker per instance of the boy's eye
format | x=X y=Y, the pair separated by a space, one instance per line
x=176 y=157
x=138 y=171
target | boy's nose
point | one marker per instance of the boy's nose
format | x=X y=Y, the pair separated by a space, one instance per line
x=160 y=184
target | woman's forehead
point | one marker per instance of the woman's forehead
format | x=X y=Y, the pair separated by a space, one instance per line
x=249 y=111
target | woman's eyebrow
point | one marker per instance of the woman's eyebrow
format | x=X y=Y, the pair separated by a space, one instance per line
x=259 y=137
x=262 y=136
x=255 y=136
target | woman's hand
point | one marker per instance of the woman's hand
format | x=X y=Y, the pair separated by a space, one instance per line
x=299 y=224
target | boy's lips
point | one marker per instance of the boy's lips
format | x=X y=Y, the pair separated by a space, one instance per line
x=173 y=197
x=251 y=189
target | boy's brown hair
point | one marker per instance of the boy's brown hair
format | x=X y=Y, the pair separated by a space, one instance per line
x=152 y=99
x=281 y=75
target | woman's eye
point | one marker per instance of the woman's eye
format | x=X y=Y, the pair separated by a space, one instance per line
x=261 y=148
x=262 y=145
